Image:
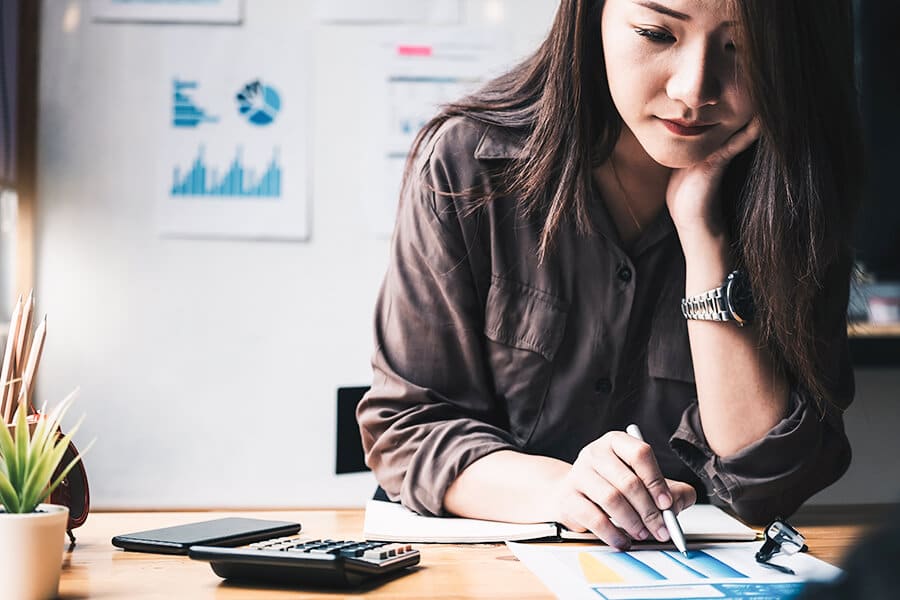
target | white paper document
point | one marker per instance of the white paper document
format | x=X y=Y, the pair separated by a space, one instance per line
x=711 y=571
x=410 y=73
x=233 y=125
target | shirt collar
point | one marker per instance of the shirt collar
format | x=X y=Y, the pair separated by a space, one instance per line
x=654 y=232
x=498 y=144
x=504 y=144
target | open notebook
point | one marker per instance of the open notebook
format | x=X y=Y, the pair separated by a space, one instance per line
x=390 y=522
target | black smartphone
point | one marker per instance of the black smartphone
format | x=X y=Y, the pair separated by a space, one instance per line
x=230 y=531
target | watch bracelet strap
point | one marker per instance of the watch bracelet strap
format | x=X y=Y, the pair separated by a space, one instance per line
x=708 y=306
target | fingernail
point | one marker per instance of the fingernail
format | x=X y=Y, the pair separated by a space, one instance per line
x=665 y=501
x=662 y=534
x=621 y=543
x=644 y=534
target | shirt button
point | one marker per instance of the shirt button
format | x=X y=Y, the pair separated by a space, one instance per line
x=624 y=274
x=603 y=386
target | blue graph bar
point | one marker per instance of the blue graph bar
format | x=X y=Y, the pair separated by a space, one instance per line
x=429 y=79
x=184 y=112
x=705 y=566
x=236 y=181
x=623 y=561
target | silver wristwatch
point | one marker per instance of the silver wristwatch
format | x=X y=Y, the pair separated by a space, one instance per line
x=731 y=301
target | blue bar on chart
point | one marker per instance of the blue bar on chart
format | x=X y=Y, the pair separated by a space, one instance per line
x=185 y=113
x=237 y=181
x=646 y=566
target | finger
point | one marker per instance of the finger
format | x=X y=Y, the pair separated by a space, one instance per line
x=611 y=499
x=639 y=457
x=684 y=495
x=642 y=516
x=740 y=140
x=580 y=513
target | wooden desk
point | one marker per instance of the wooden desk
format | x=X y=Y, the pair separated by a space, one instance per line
x=96 y=569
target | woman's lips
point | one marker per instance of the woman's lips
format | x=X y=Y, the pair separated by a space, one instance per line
x=686 y=128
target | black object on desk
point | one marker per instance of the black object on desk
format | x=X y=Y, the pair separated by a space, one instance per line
x=294 y=561
x=230 y=531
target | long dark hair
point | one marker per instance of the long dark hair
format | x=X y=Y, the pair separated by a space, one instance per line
x=794 y=193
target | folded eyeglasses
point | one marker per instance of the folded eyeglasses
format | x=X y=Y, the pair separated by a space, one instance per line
x=781 y=538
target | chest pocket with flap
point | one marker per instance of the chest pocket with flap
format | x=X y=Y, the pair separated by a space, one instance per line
x=524 y=328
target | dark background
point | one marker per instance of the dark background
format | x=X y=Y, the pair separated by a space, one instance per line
x=878 y=72
x=9 y=56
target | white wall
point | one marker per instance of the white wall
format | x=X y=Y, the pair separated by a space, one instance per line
x=208 y=369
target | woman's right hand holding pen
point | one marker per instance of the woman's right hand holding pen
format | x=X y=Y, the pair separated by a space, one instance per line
x=616 y=490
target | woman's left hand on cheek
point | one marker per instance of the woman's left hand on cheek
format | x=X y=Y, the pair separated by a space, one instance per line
x=692 y=192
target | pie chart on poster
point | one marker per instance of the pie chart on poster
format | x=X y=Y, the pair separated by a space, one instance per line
x=258 y=103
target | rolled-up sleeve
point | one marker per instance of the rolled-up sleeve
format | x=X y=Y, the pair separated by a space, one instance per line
x=803 y=453
x=430 y=411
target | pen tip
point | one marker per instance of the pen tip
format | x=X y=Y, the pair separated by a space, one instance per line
x=685 y=552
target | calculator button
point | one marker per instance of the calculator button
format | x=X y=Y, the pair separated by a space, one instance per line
x=282 y=546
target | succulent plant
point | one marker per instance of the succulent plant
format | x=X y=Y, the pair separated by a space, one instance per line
x=31 y=449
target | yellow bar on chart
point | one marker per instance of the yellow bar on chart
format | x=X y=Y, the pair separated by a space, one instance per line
x=595 y=571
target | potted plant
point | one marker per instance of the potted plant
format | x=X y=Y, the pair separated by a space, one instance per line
x=32 y=534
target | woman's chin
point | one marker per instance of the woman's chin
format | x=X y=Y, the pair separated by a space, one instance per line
x=680 y=158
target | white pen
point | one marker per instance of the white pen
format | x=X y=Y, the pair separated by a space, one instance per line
x=672 y=524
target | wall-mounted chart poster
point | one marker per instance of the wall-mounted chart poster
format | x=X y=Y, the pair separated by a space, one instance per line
x=235 y=159
x=411 y=74
x=169 y=11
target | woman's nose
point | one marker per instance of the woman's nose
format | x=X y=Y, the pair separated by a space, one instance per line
x=695 y=80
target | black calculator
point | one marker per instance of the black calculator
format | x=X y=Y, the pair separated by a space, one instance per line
x=299 y=561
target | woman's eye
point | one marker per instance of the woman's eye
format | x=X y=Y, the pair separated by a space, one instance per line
x=729 y=46
x=654 y=35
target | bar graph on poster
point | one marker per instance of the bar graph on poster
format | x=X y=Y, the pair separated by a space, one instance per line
x=236 y=182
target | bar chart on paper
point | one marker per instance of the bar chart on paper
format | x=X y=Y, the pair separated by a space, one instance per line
x=201 y=180
x=185 y=111
x=651 y=565
x=715 y=571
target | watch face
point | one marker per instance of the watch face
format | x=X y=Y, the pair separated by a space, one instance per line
x=740 y=297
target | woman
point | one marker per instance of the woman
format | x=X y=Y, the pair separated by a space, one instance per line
x=558 y=239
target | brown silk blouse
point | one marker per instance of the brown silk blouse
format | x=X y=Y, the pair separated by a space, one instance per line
x=480 y=348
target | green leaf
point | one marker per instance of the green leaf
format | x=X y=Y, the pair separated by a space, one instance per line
x=38 y=479
x=17 y=474
x=8 y=495
x=54 y=419
x=42 y=471
x=28 y=460
x=7 y=450
x=6 y=441
x=37 y=434
x=22 y=428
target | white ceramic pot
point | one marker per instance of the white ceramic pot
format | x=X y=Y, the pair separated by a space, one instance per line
x=31 y=552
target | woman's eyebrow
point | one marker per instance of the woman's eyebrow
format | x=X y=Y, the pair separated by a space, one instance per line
x=664 y=10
